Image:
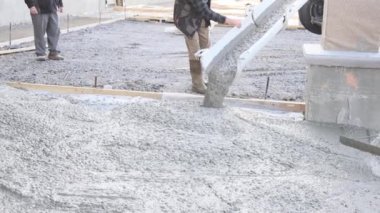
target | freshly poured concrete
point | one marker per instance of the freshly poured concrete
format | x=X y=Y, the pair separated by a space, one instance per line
x=99 y=154
x=107 y=154
x=224 y=72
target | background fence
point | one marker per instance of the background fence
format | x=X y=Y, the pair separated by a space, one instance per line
x=16 y=11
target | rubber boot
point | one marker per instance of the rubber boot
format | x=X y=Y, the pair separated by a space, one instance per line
x=196 y=77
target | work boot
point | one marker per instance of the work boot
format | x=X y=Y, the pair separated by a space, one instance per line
x=41 y=58
x=55 y=56
x=196 y=77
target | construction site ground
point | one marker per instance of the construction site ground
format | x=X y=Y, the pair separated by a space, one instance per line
x=87 y=153
x=149 y=57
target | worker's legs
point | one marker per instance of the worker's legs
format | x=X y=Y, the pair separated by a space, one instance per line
x=39 y=26
x=204 y=36
x=194 y=44
x=195 y=65
x=53 y=33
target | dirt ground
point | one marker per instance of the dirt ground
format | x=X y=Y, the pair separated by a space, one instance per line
x=83 y=153
x=142 y=56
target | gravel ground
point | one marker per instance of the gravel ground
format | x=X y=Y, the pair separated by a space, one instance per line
x=142 y=56
x=104 y=154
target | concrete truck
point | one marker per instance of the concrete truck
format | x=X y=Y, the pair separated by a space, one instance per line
x=311 y=16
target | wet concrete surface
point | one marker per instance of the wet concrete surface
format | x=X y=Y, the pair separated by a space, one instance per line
x=66 y=153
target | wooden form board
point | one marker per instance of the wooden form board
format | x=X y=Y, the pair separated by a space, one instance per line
x=360 y=145
x=272 y=104
x=280 y=105
x=168 y=7
x=165 y=13
x=169 y=11
x=11 y=51
x=83 y=90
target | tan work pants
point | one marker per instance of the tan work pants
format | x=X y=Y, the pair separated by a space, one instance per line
x=201 y=40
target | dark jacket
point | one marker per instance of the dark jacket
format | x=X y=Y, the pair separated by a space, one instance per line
x=188 y=15
x=45 y=6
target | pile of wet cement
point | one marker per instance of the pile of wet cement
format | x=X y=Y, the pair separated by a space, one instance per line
x=95 y=153
x=223 y=73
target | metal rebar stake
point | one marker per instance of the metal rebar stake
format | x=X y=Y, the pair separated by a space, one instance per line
x=100 y=13
x=96 y=82
x=68 y=22
x=266 y=88
x=10 y=35
x=125 y=10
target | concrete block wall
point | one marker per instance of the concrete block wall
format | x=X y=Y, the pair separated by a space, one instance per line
x=16 y=12
x=331 y=99
x=344 y=71
x=13 y=11
x=342 y=87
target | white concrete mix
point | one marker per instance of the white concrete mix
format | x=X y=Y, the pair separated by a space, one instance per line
x=106 y=154
x=223 y=74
